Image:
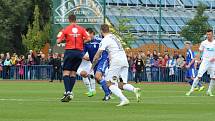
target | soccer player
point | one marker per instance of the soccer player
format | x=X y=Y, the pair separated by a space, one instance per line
x=103 y=62
x=118 y=64
x=207 y=47
x=75 y=37
x=191 y=70
x=82 y=71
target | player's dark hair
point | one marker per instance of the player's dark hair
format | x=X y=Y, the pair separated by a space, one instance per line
x=209 y=30
x=72 y=18
x=105 y=28
x=90 y=30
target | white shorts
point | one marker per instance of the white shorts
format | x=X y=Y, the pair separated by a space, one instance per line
x=85 y=66
x=206 y=66
x=211 y=71
x=118 y=71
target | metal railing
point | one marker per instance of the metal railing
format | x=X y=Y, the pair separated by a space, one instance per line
x=33 y=72
x=161 y=74
x=47 y=72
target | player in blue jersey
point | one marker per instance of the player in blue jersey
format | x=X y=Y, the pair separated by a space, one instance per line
x=103 y=63
x=191 y=70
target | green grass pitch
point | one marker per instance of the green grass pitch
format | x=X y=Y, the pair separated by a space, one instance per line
x=39 y=101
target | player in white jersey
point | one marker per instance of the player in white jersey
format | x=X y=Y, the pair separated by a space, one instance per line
x=82 y=71
x=118 y=65
x=207 y=48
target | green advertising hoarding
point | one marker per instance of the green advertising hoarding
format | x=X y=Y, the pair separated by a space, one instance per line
x=90 y=13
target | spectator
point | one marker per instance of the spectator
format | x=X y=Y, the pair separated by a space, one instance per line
x=155 y=56
x=43 y=71
x=154 y=67
x=13 y=63
x=30 y=70
x=7 y=65
x=171 y=64
x=148 y=53
x=20 y=65
x=180 y=62
x=143 y=56
x=56 y=63
x=162 y=68
x=175 y=56
x=148 y=69
x=139 y=69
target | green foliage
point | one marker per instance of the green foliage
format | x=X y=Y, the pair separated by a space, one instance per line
x=36 y=38
x=122 y=32
x=16 y=15
x=197 y=27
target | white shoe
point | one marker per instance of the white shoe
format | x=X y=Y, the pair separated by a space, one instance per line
x=188 y=93
x=137 y=93
x=210 y=94
x=123 y=103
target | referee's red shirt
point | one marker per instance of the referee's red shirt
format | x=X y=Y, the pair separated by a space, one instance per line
x=74 y=36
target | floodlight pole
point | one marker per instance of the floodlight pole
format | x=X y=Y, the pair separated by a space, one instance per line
x=104 y=10
x=159 y=35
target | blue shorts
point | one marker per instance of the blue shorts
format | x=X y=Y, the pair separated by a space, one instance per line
x=72 y=60
x=191 y=73
x=101 y=66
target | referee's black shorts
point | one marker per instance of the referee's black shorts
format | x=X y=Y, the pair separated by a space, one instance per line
x=72 y=60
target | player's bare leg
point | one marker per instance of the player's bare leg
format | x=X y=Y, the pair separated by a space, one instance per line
x=130 y=88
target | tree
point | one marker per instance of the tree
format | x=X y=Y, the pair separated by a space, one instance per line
x=122 y=31
x=36 y=37
x=196 y=27
x=14 y=17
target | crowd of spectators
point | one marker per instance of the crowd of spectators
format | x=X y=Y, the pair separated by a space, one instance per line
x=31 y=66
x=154 y=66
x=149 y=66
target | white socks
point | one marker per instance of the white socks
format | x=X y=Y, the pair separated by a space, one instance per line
x=93 y=84
x=195 y=82
x=128 y=87
x=116 y=91
x=87 y=84
x=211 y=85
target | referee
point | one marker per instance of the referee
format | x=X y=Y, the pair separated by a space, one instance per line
x=75 y=37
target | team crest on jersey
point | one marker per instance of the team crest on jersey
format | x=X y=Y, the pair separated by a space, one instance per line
x=75 y=30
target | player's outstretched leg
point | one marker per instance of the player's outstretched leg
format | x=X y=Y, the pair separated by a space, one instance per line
x=116 y=91
x=103 y=83
x=87 y=84
x=210 y=88
x=130 y=88
x=201 y=87
x=195 y=82
x=68 y=84
x=93 y=84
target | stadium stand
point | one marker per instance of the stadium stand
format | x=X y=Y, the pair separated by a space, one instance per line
x=144 y=16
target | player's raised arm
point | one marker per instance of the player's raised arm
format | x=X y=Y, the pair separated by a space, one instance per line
x=96 y=58
x=86 y=36
x=60 y=36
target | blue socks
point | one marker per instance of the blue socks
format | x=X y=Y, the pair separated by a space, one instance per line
x=72 y=83
x=200 y=84
x=69 y=83
x=190 y=82
x=104 y=87
x=66 y=80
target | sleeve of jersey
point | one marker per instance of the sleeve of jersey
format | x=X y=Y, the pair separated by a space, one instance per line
x=85 y=34
x=201 y=47
x=61 y=36
x=191 y=54
x=103 y=45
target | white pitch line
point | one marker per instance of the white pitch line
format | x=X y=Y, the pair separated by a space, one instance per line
x=112 y=102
